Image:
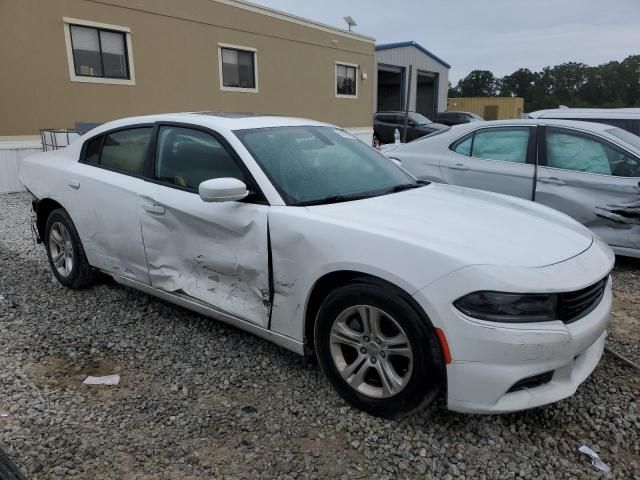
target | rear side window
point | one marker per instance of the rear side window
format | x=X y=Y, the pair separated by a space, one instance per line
x=583 y=153
x=92 y=153
x=125 y=150
x=463 y=146
x=506 y=144
x=187 y=157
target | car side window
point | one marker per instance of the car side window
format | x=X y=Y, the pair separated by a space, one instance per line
x=92 y=151
x=125 y=150
x=186 y=157
x=463 y=146
x=583 y=153
x=508 y=144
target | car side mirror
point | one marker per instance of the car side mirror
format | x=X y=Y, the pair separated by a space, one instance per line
x=222 y=190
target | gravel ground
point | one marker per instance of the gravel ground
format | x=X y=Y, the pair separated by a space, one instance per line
x=198 y=399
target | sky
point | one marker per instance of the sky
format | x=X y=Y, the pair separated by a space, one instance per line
x=496 y=35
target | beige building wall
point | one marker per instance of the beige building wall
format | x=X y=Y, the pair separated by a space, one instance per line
x=175 y=58
x=489 y=108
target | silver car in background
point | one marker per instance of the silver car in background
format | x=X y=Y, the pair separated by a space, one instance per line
x=589 y=171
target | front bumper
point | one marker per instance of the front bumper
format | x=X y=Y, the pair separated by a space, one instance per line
x=490 y=358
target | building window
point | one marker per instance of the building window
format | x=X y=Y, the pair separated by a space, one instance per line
x=99 y=53
x=346 y=80
x=238 y=68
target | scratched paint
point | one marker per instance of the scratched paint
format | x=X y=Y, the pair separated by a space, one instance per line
x=609 y=206
x=214 y=252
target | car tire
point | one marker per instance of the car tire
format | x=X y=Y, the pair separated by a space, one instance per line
x=413 y=376
x=8 y=469
x=377 y=143
x=66 y=253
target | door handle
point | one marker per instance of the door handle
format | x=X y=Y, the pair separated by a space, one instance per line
x=458 y=166
x=75 y=184
x=551 y=180
x=155 y=208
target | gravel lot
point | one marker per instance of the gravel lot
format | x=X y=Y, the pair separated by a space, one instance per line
x=198 y=399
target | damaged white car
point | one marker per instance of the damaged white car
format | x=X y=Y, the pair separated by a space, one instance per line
x=296 y=231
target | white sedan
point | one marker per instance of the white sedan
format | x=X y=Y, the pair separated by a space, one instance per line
x=296 y=231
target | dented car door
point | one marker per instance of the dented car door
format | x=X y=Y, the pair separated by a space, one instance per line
x=214 y=252
x=102 y=196
x=593 y=181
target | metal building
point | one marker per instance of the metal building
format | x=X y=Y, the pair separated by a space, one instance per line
x=429 y=82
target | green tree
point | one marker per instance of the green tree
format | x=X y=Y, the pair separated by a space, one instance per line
x=479 y=83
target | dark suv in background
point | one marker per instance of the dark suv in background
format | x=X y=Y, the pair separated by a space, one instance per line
x=385 y=124
x=457 y=118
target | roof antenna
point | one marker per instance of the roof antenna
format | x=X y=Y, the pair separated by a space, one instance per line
x=350 y=21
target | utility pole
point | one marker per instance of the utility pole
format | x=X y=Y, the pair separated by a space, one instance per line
x=406 y=106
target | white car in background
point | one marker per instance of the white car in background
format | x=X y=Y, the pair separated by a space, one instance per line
x=296 y=231
x=590 y=171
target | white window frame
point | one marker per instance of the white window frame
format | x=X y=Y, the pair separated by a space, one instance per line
x=255 y=68
x=335 y=79
x=68 y=22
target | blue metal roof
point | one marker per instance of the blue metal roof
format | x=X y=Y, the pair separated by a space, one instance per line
x=388 y=46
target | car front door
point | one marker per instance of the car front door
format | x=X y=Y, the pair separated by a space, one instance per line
x=216 y=253
x=498 y=159
x=593 y=181
x=102 y=199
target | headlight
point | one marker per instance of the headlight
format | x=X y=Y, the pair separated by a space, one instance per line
x=510 y=307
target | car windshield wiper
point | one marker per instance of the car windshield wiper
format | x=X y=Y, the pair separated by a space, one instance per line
x=331 y=199
x=409 y=186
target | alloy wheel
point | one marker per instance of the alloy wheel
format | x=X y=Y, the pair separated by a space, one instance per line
x=61 y=249
x=371 y=351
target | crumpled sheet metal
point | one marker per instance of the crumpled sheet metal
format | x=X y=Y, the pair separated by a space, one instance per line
x=216 y=253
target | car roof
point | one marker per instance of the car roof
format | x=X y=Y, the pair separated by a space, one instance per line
x=591 y=126
x=593 y=113
x=215 y=120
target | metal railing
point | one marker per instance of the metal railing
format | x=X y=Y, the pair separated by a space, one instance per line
x=57 y=138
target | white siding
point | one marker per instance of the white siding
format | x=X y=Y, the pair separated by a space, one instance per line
x=405 y=56
x=11 y=153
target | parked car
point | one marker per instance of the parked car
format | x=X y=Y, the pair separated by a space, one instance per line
x=589 y=171
x=386 y=123
x=300 y=233
x=457 y=118
x=625 y=118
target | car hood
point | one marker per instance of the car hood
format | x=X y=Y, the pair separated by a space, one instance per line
x=473 y=226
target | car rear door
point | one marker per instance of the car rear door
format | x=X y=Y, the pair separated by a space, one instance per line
x=593 y=181
x=102 y=199
x=498 y=159
x=216 y=253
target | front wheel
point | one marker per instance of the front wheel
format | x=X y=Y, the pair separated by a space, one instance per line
x=379 y=353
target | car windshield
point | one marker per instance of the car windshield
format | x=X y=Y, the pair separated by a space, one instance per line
x=624 y=135
x=419 y=119
x=316 y=165
x=474 y=116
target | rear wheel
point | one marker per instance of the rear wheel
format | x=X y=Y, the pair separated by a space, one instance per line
x=65 y=252
x=379 y=353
